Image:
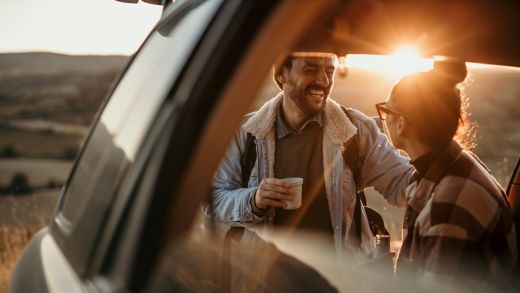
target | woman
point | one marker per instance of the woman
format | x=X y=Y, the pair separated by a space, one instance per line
x=457 y=228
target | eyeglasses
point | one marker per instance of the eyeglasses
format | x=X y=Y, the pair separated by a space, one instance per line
x=383 y=110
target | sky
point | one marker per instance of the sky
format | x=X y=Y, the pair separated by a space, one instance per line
x=94 y=27
x=107 y=27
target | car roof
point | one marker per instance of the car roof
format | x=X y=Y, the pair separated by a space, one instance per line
x=474 y=30
x=479 y=31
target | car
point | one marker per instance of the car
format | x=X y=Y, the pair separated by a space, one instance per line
x=129 y=216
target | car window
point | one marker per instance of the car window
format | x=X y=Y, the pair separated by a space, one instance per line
x=116 y=138
x=204 y=258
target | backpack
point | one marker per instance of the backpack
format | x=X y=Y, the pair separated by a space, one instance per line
x=352 y=159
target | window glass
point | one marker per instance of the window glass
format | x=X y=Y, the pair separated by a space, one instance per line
x=126 y=118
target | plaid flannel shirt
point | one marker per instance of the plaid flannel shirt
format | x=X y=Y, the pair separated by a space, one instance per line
x=458 y=226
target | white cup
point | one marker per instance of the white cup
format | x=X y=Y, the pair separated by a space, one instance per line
x=296 y=193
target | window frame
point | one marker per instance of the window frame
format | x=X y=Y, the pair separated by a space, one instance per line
x=205 y=127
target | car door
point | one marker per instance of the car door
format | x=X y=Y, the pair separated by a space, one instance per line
x=121 y=139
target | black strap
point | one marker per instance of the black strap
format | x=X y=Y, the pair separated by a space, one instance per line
x=351 y=157
x=353 y=160
x=247 y=162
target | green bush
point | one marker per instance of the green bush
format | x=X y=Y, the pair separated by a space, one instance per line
x=70 y=153
x=4 y=189
x=20 y=184
x=8 y=151
x=53 y=184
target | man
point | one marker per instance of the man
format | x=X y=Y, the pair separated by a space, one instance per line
x=303 y=133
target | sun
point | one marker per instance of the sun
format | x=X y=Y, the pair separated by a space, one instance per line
x=404 y=60
x=406 y=52
x=407 y=60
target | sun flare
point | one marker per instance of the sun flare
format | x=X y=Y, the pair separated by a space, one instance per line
x=406 y=52
x=403 y=61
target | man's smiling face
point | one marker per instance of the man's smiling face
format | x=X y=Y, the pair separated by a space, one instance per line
x=307 y=83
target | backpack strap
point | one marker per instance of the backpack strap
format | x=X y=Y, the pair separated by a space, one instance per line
x=247 y=162
x=353 y=161
x=352 y=157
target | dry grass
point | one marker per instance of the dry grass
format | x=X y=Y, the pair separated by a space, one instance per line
x=20 y=218
x=12 y=241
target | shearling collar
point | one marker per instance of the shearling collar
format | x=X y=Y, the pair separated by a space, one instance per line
x=282 y=129
x=336 y=124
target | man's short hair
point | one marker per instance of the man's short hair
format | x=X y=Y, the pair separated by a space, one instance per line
x=286 y=62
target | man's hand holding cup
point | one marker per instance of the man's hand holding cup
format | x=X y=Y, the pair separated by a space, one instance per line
x=285 y=193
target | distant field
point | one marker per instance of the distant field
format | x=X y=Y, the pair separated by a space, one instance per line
x=55 y=87
x=49 y=126
x=39 y=171
x=32 y=144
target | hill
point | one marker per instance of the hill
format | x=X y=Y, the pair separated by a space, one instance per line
x=49 y=100
x=55 y=87
x=48 y=63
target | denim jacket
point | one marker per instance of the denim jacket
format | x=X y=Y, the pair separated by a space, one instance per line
x=382 y=167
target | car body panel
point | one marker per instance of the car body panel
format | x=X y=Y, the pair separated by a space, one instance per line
x=59 y=274
x=28 y=275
